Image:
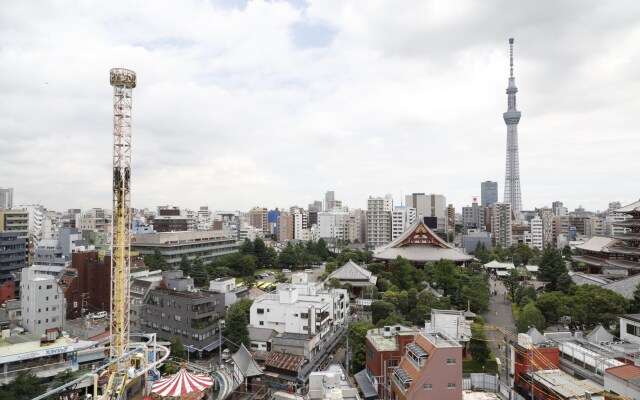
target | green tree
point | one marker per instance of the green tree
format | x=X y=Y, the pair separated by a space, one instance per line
x=60 y=379
x=331 y=266
x=280 y=277
x=199 y=272
x=402 y=273
x=322 y=250
x=156 y=261
x=357 y=334
x=512 y=282
x=246 y=247
x=445 y=276
x=376 y=268
x=270 y=257
x=525 y=294
x=530 y=316
x=288 y=257
x=244 y=305
x=25 y=386
x=381 y=309
x=260 y=251
x=634 y=306
x=185 y=266
x=475 y=292
x=551 y=268
x=478 y=345
x=237 y=333
x=177 y=349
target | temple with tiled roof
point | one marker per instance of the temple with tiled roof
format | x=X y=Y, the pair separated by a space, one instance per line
x=419 y=245
x=616 y=254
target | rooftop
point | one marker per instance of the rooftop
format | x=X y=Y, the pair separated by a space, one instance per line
x=566 y=385
x=388 y=342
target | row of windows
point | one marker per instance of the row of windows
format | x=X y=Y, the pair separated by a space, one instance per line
x=429 y=386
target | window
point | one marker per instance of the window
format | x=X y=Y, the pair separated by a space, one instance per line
x=177 y=317
x=451 y=361
x=49 y=286
x=260 y=310
x=261 y=323
x=633 y=330
x=451 y=385
x=304 y=315
x=47 y=298
x=427 y=386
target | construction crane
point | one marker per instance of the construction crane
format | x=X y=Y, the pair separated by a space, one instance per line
x=123 y=82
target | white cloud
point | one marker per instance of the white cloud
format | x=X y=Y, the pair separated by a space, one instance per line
x=273 y=103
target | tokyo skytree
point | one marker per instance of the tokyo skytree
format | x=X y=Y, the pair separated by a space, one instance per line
x=512 y=193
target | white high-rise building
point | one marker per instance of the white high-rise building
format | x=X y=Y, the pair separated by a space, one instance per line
x=401 y=218
x=536 y=233
x=379 y=220
x=6 y=199
x=42 y=302
x=36 y=215
x=613 y=216
x=501 y=223
x=204 y=219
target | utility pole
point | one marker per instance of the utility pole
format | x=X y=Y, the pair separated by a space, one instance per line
x=506 y=356
x=220 y=343
x=531 y=372
x=347 y=352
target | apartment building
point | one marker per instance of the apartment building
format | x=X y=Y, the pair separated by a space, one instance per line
x=379 y=211
x=431 y=367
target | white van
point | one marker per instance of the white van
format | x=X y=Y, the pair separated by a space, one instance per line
x=99 y=315
x=308 y=271
x=284 y=271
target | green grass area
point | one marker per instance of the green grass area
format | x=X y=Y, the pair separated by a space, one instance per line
x=471 y=366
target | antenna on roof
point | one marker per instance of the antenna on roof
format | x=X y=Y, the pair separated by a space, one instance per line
x=511 y=56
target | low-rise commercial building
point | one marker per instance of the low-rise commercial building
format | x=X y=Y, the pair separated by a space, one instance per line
x=208 y=245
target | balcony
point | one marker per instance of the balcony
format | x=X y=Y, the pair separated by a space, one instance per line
x=203 y=323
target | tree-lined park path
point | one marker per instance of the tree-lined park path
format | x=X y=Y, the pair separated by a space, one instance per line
x=499 y=315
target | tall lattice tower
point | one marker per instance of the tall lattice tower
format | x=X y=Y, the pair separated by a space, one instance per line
x=512 y=193
x=123 y=81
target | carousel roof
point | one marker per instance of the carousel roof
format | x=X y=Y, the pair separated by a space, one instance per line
x=181 y=384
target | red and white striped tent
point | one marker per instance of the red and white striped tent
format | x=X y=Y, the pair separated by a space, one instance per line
x=181 y=384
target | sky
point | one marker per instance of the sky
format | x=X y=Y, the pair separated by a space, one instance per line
x=272 y=103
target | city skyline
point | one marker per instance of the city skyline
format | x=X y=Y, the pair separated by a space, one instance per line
x=273 y=104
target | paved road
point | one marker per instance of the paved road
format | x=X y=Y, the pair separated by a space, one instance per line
x=499 y=314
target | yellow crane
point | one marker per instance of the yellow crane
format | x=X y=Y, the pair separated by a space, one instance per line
x=123 y=82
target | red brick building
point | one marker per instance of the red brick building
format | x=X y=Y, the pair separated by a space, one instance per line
x=385 y=348
x=7 y=291
x=88 y=275
x=431 y=368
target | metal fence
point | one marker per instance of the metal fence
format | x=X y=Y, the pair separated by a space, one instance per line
x=489 y=383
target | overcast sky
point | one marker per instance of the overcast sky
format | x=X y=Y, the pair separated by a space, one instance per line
x=272 y=103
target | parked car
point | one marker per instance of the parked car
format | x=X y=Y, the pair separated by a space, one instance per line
x=226 y=354
x=284 y=271
x=308 y=270
x=99 y=315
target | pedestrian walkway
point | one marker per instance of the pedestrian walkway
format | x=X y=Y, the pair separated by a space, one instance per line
x=499 y=315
